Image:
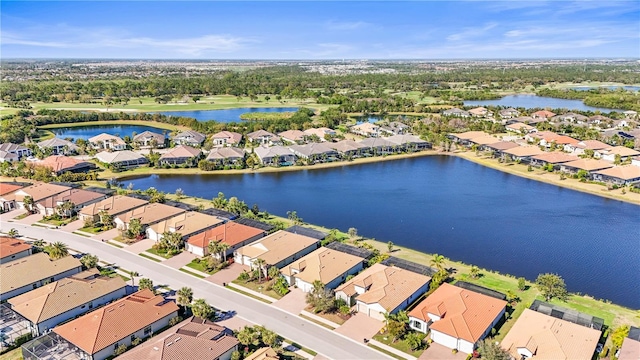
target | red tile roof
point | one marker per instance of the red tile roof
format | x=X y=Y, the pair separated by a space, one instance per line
x=10 y=246
x=230 y=233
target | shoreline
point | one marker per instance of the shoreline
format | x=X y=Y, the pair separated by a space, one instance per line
x=153 y=124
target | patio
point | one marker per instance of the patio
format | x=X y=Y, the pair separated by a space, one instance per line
x=12 y=326
x=52 y=347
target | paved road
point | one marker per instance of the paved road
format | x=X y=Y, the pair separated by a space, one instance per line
x=323 y=341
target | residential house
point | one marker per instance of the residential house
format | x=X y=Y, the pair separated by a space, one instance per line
x=571 y=118
x=7 y=157
x=543 y=114
x=588 y=165
x=114 y=206
x=398 y=128
x=630 y=114
x=482 y=141
x=60 y=164
x=456 y=112
x=125 y=159
x=226 y=138
x=554 y=158
x=619 y=175
x=457 y=318
x=7 y=195
x=465 y=137
x=599 y=120
x=329 y=266
x=13 y=249
x=383 y=289
x=520 y=128
x=226 y=155
x=278 y=249
x=233 y=234
x=321 y=133
x=548 y=138
x=275 y=155
x=293 y=136
x=149 y=139
x=65 y=299
x=630 y=349
x=408 y=142
x=186 y=224
x=498 y=147
x=99 y=333
x=522 y=153
x=366 y=129
x=307 y=231
x=78 y=197
x=609 y=154
x=480 y=112
x=193 y=338
x=314 y=151
x=189 y=138
x=378 y=146
x=179 y=155
x=509 y=113
x=148 y=214
x=18 y=151
x=579 y=147
x=58 y=146
x=263 y=137
x=539 y=336
x=31 y=272
x=348 y=148
x=38 y=192
x=265 y=353
x=107 y=141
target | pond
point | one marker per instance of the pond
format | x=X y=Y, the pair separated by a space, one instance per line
x=86 y=132
x=535 y=101
x=454 y=207
x=225 y=115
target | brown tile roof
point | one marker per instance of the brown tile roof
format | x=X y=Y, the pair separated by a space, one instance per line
x=28 y=270
x=322 y=264
x=265 y=353
x=467 y=135
x=293 y=135
x=464 y=314
x=6 y=188
x=484 y=140
x=622 y=151
x=588 y=164
x=40 y=191
x=61 y=163
x=549 y=338
x=107 y=325
x=189 y=340
x=387 y=286
x=181 y=151
x=502 y=145
x=107 y=137
x=524 y=151
x=76 y=196
x=555 y=157
x=63 y=295
x=519 y=126
x=10 y=246
x=626 y=172
x=230 y=233
x=186 y=223
x=113 y=205
x=150 y=213
x=232 y=137
x=277 y=246
x=543 y=113
x=592 y=144
x=630 y=350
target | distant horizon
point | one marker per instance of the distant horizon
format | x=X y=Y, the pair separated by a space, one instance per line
x=327 y=60
x=320 y=30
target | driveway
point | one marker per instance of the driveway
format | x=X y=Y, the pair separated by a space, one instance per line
x=227 y=274
x=73 y=226
x=179 y=260
x=437 y=351
x=361 y=326
x=109 y=234
x=234 y=323
x=8 y=216
x=140 y=246
x=31 y=219
x=294 y=302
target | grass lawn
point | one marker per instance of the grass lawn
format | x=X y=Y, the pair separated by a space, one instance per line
x=15 y=354
x=259 y=288
x=58 y=222
x=161 y=253
x=149 y=257
x=333 y=317
x=244 y=293
x=21 y=216
x=91 y=230
x=398 y=345
x=197 y=266
x=191 y=273
x=390 y=354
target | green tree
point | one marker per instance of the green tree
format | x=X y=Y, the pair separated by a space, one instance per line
x=259 y=266
x=28 y=203
x=390 y=246
x=66 y=209
x=321 y=298
x=269 y=337
x=172 y=241
x=475 y=271
x=618 y=335
x=491 y=350
x=185 y=296
x=135 y=228
x=294 y=218
x=437 y=279
x=236 y=206
x=397 y=324
x=220 y=202
x=437 y=261
x=248 y=336
x=57 y=250
x=353 y=232
x=105 y=219
x=273 y=272
x=218 y=248
x=146 y=283
x=121 y=349
x=89 y=261
x=281 y=286
x=522 y=285
x=201 y=309
x=179 y=193
x=13 y=233
x=552 y=286
x=414 y=340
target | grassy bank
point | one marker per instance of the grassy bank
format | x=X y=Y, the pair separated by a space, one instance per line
x=154 y=124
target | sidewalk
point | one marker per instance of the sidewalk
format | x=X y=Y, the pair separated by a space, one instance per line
x=254 y=293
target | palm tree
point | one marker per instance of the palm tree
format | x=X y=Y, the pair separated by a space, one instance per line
x=58 y=250
x=438 y=261
x=28 y=203
x=222 y=249
x=13 y=233
x=185 y=296
x=273 y=272
x=259 y=264
x=66 y=209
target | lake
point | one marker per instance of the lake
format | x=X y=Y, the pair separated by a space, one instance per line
x=86 y=132
x=454 y=207
x=612 y=87
x=535 y=101
x=225 y=115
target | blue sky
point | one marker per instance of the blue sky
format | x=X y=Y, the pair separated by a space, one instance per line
x=320 y=30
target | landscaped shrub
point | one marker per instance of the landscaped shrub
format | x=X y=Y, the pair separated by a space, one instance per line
x=175 y=320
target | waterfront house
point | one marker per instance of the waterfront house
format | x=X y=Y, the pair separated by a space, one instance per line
x=321 y=133
x=366 y=129
x=465 y=137
x=456 y=112
x=547 y=138
x=543 y=114
x=186 y=224
x=78 y=197
x=554 y=158
x=609 y=154
x=179 y=155
x=189 y=138
x=233 y=234
x=293 y=136
x=226 y=138
x=571 y=118
x=498 y=147
x=114 y=206
x=125 y=159
x=193 y=338
x=148 y=214
x=275 y=155
x=520 y=128
x=65 y=299
x=509 y=113
x=408 y=142
x=307 y=231
x=278 y=249
x=619 y=175
x=15 y=151
x=107 y=141
x=482 y=141
x=457 y=318
x=226 y=155
x=383 y=289
x=378 y=146
x=398 y=128
x=630 y=349
x=348 y=148
x=58 y=146
x=630 y=114
x=480 y=112
x=588 y=165
x=522 y=153
x=329 y=266
x=263 y=137
x=149 y=139
x=60 y=164
x=38 y=192
x=13 y=249
x=539 y=336
x=8 y=195
x=314 y=151
x=31 y=272
x=579 y=147
x=99 y=333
